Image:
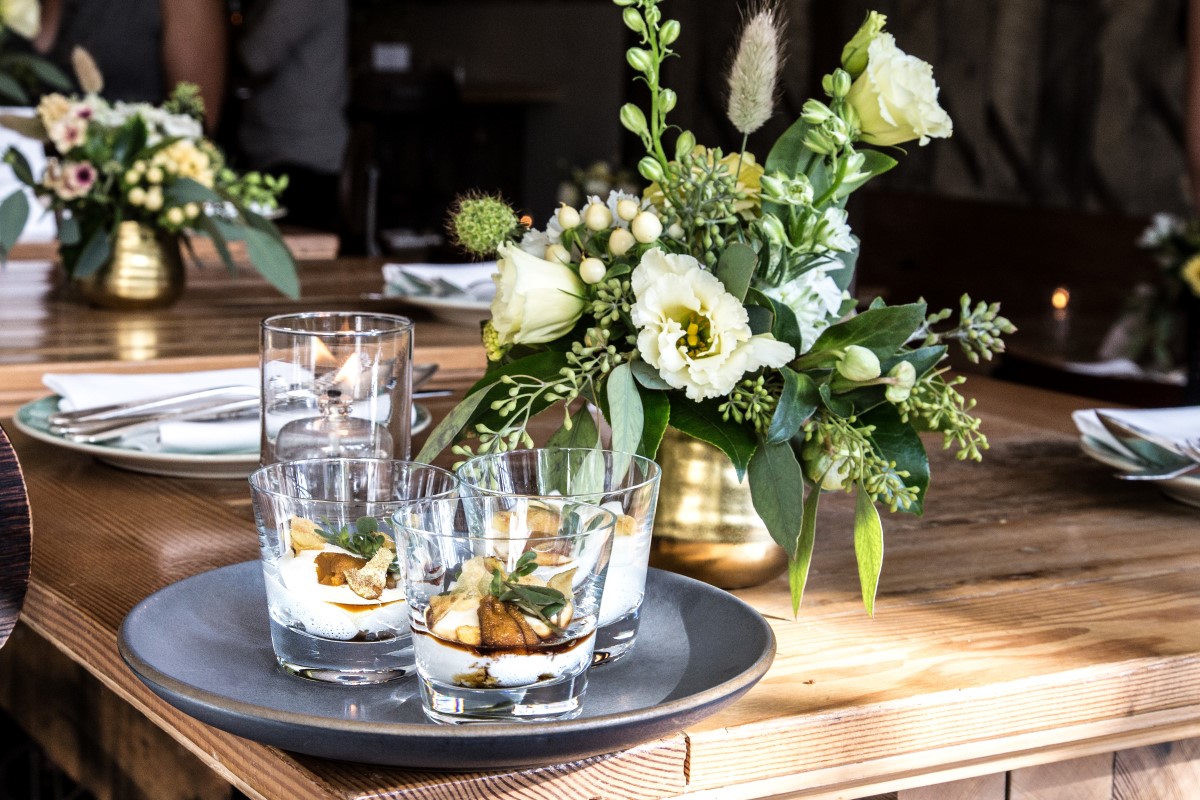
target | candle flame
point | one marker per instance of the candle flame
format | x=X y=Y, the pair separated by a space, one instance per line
x=1060 y=298
x=347 y=376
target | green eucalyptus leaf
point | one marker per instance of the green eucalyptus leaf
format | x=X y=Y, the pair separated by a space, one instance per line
x=835 y=403
x=789 y=155
x=448 y=429
x=68 y=231
x=14 y=213
x=703 y=421
x=656 y=411
x=11 y=88
x=735 y=269
x=49 y=74
x=273 y=260
x=881 y=330
x=798 y=400
x=95 y=253
x=625 y=410
x=868 y=547
x=648 y=377
x=582 y=433
x=185 y=190
x=129 y=141
x=217 y=235
x=20 y=166
x=923 y=359
x=760 y=319
x=842 y=277
x=798 y=565
x=897 y=441
x=777 y=491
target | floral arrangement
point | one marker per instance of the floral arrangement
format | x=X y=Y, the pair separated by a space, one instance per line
x=112 y=162
x=716 y=301
x=21 y=71
x=1150 y=330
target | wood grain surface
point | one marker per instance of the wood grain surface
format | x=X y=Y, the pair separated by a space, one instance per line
x=15 y=537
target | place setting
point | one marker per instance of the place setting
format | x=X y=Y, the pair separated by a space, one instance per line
x=1160 y=446
x=460 y=294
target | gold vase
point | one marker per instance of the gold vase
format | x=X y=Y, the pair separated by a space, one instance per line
x=145 y=270
x=706 y=526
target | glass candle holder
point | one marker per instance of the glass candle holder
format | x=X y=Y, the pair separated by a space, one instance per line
x=336 y=384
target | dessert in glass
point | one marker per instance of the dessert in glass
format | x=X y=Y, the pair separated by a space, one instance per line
x=504 y=594
x=623 y=483
x=335 y=594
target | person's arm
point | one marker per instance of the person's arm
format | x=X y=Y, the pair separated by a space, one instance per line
x=194 y=49
x=1192 y=101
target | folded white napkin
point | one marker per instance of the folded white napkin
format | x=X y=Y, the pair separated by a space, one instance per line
x=473 y=279
x=1169 y=424
x=89 y=390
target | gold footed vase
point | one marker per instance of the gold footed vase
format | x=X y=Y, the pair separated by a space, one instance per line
x=706 y=526
x=145 y=270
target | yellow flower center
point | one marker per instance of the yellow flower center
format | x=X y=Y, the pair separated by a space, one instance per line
x=697 y=335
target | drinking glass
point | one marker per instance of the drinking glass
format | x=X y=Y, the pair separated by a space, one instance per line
x=335 y=595
x=625 y=484
x=336 y=384
x=504 y=593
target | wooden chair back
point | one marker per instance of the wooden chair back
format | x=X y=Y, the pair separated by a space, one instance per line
x=16 y=536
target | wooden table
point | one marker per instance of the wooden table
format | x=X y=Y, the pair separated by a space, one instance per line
x=1039 y=617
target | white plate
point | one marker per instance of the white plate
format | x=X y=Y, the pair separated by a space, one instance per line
x=444 y=299
x=456 y=310
x=30 y=419
x=1185 y=489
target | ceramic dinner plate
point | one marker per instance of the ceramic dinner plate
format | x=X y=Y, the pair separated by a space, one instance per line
x=204 y=646
x=31 y=420
x=1185 y=489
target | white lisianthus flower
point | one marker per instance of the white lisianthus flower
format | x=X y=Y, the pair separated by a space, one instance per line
x=696 y=334
x=814 y=298
x=536 y=301
x=896 y=97
x=22 y=17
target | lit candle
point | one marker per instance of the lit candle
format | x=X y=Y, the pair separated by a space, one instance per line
x=1060 y=301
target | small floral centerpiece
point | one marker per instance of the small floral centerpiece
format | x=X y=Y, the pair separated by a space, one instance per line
x=716 y=301
x=21 y=71
x=1151 y=329
x=134 y=162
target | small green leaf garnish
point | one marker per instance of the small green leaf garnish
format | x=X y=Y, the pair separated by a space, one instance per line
x=542 y=602
x=363 y=541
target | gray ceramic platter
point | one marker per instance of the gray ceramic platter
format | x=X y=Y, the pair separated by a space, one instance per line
x=203 y=645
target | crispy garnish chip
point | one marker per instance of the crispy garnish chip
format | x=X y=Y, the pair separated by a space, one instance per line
x=304 y=535
x=370 y=581
x=626 y=525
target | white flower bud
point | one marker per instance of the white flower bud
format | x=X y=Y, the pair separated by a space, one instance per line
x=592 y=270
x=597 y=217
x=905 y=376
x=859 y=364
x=557 y=253
x=132 y=176
x=191 y=210
x=646 y=227
x=154 y=175
x=175 y=216
x=154 y=198
x=568 y=217
x=137 y=196
x=627 y=209
x=620 y=242
x=675 y=231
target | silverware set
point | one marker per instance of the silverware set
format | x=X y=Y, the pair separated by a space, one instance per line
x=1162 y=458
x=118 y=420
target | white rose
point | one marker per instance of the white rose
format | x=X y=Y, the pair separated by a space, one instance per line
x=536 y=300
x=896 y=97
x=22 y=17
x=692 y=331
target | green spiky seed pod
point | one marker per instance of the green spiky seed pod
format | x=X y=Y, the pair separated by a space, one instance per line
x=479 y=223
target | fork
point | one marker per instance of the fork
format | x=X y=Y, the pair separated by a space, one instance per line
x=1187 y=448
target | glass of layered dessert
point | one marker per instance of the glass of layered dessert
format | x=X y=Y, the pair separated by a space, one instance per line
x=335 y=594
x=623 y=483
x=504 y=594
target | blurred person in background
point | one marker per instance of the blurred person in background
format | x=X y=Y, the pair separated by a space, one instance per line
x=143 y=47
x=293 y=122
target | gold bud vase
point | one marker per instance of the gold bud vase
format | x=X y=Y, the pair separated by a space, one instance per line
x=145 y=270
x=706 y=526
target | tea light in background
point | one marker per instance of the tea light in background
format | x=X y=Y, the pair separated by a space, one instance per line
x=336 y=385
x=1060 y=301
